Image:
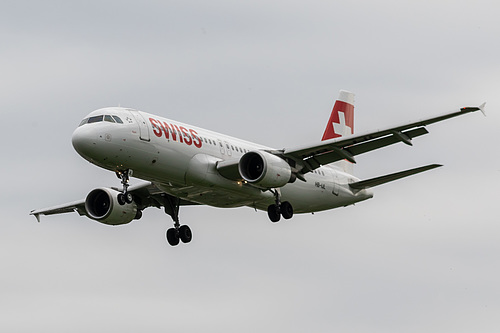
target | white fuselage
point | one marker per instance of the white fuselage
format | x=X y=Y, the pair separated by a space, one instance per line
x=181 y=160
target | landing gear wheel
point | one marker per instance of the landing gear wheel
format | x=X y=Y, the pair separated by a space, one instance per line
x=273 y=212
x=172 y=237
x=178 y=232
x=286 y=210
x=121 y=199
x=279 y=209
x=185 y=234
x=124 y=197
x=128 y=198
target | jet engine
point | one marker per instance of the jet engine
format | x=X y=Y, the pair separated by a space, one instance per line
x=265 y=170
x=102 y=205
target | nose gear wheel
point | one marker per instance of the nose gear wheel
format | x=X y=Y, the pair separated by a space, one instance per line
x=125 y=197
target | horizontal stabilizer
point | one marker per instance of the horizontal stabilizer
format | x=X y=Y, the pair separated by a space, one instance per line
x=389 y=178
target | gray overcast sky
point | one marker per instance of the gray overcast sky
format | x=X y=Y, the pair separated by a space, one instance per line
x=421 y=256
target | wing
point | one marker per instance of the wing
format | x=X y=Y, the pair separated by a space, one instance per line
x=75 y=206
x=145 y=195
x=308 y=158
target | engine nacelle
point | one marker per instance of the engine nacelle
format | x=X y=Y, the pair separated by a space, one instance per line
x=102 y=205
x=265 y=170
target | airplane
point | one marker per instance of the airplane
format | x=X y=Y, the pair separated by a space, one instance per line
x=185 y=165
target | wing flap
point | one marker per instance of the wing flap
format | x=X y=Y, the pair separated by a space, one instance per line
x=395 y=137
x=349 y=152
x=363 y=184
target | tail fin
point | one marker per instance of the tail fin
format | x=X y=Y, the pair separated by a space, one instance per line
x=341 y=123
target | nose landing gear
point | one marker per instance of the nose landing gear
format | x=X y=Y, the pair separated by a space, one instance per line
x=125 y=196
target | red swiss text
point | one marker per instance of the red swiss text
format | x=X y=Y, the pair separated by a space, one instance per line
x=175 y=133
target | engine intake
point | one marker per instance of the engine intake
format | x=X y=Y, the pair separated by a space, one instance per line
x=265 y=170
x=102 y=205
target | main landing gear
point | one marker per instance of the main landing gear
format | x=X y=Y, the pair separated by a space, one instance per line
x=174 y=235
x=178 y=232
x=125 y=196
x=279 y=209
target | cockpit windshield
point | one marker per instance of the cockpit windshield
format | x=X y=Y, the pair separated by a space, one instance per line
x=96 y=119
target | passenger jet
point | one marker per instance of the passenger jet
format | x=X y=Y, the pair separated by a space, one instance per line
x=186 y=165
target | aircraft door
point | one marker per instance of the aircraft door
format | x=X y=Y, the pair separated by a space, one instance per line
x=221 y=145
x=143 y=126
x=228 y=149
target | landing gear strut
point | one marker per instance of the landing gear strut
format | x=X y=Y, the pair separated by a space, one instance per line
x=279 y=209
x=178 y=232
x=125 y=196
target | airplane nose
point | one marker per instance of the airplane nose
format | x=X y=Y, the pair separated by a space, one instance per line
x=83 y=141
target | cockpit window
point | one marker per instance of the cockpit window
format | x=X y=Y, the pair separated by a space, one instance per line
x=95 y=119
x=84 y=121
